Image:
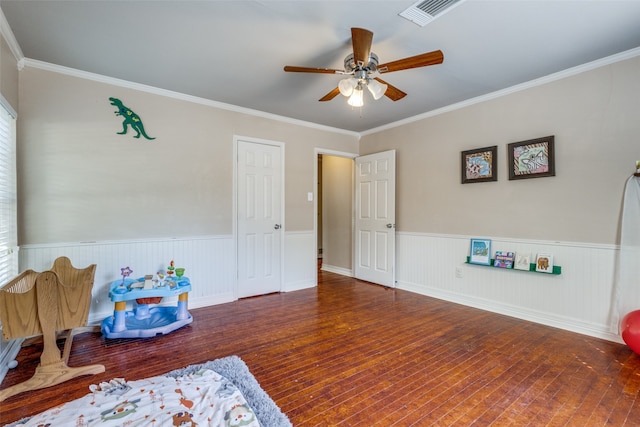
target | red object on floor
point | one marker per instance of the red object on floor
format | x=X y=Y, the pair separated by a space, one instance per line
x=630 y=327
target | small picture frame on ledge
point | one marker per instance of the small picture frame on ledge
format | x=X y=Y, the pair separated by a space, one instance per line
x=522 y=261
x=480 y=252
x=544 y=263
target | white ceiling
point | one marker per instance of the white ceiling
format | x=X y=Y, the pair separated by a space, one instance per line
x=233 y=52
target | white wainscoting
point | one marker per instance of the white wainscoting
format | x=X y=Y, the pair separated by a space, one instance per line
x=578 y=300
x=209 y=262
x=300 y=260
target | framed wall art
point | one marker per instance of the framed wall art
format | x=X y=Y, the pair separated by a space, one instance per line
x=531 y=159
x=480 y=165
x=480 y=252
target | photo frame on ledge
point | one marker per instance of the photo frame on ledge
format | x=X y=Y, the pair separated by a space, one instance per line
x=480 y=252
x=534 y=158
x=480 y=165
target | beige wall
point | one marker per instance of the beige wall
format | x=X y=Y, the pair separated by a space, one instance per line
x=80 y=181
x=594 y=117
x=337 y=211
x=8 y=74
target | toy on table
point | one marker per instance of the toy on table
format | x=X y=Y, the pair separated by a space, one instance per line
x=124 y=272
x=148 y=281
x=147 y=319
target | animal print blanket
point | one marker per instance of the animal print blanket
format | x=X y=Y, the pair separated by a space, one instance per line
x=201 y=398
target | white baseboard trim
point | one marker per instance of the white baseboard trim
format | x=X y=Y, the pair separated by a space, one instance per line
x=211 y=300
x=572 y=325
x=298 y=285
x=8 y=356
x=337 y=270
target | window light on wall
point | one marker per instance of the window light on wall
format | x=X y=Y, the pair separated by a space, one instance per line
x=8 y=195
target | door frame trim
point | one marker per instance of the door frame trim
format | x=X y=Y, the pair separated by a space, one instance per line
x=325 y=151
x=234 y=204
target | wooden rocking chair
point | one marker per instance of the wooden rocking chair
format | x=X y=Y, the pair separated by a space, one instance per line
x=42 y=304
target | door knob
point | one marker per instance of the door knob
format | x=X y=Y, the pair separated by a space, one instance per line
x=277 y=226
x=391 y=225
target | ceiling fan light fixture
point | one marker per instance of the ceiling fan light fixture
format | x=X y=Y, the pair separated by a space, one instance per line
x=362 y=64
x=357 y=97
x=346 y=86
x=376 y=88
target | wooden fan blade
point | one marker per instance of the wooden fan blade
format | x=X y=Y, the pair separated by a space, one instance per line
x=294 y=69
x=361 y=40
x=422 y=60
x=330 y=95
x=393 y=93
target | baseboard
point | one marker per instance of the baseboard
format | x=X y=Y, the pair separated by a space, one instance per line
x=298 y=285
x=7 y=358
x=572 y=325
x=337 y=270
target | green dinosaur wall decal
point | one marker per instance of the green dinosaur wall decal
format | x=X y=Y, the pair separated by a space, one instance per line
x=130 y=119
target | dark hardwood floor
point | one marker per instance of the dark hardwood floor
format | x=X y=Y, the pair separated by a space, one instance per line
x=351 y=353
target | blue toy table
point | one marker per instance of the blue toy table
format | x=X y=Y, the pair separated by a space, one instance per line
x=145 y=321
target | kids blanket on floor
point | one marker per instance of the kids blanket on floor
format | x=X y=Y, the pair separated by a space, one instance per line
x=200 y=398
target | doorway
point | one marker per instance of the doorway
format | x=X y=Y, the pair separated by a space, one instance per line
x=370 y=183
x=334 y=211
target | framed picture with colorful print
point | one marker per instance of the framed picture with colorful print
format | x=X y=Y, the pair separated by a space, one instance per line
x=480 y=165
x=534 y=158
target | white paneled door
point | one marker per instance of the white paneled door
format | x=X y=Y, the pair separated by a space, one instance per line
x=375 y=226
x=259 y=218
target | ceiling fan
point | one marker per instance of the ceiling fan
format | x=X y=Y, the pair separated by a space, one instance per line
x=362 y=65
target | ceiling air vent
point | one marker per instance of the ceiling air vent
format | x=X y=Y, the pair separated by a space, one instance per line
x=423 y=12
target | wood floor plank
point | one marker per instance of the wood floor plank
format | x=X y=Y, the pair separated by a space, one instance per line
x=350 y=353
x=523 y=409
x=627 y=399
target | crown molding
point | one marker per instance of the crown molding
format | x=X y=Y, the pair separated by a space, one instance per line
x=32 y=63
x=26 y=62
x=622 y=56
